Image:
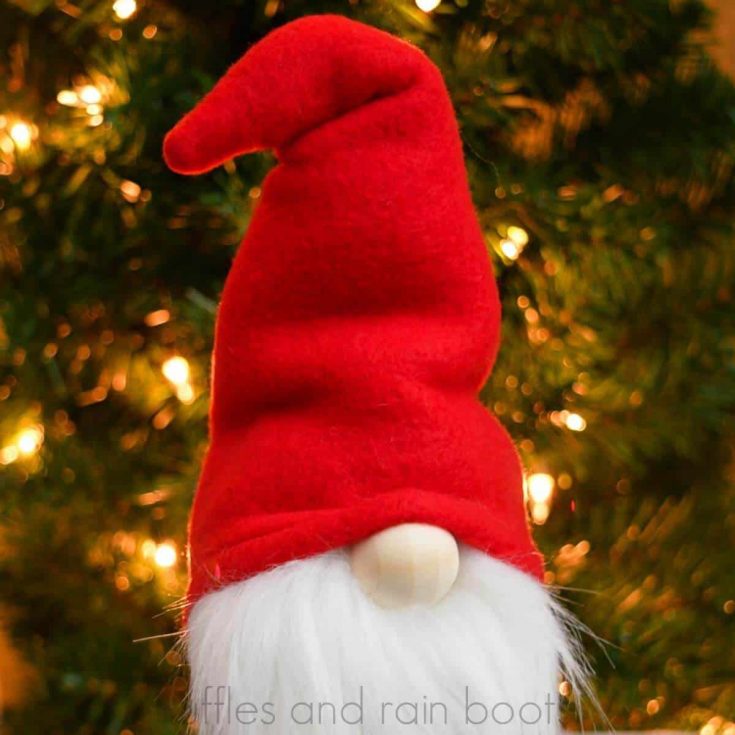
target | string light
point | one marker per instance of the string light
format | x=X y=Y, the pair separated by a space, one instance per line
x=89 y=94
x=130 y=191
x=539 y=489
x=21 y=134
x=185 y=393
x=89 y=97
x=124 y=9
x=176 y=370
x=148 y=548
x=165 y=555
x=428 y=5
x=540 y=513
x=564 y=481
x=518 y=235
x=26 y=443
x=510 y=249
x=29 y=440
x=157 y=317
x=512 y=245
x=67 y=97
x=8 y=454
x=574 y=422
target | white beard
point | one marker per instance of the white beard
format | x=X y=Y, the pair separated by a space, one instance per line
x=270 y=649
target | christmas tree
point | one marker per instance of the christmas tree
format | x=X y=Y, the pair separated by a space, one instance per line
x=600 y=141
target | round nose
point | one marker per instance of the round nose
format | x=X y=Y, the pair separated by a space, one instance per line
x=410 y=564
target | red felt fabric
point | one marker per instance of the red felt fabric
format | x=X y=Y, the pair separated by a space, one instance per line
x=360 y=317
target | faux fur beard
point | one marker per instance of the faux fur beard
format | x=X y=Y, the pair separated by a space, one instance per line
x=301 y=649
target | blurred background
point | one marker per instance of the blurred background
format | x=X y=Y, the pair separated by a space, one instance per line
x=600 y=141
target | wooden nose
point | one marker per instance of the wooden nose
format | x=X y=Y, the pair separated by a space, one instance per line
x=410 y=564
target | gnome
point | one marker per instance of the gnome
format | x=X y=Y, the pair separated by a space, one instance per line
x=360 y=556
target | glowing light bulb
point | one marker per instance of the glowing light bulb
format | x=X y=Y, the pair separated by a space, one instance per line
x=575 y=422
x=518 y=235
x=540 y=487
x=165 y=555
x=158 y=317
x=22 y=135
x=8 y=455
x=148 y=548
x=123 y=9
x=185 y=393
x=90 y=95
x=176 y=370
x=428 y=5
x=29 y=440
x=67 y=97
x=131 y=191
x=510 y=248
x=540 y=513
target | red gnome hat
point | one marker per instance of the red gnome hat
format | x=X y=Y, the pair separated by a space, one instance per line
x=360 y=317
